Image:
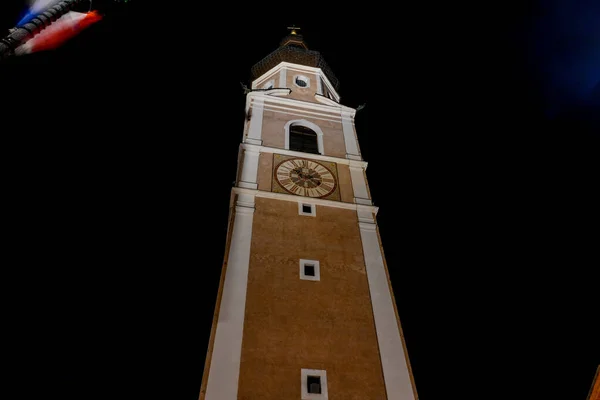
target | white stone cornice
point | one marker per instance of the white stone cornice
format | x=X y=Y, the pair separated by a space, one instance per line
x=244 y=209
x=264 y=149
x=367 y=226
x=251 y=148
x=348 y=112
x=365 y=214
x=303 y=112
x=296 y=104
x=362 y=209
x=326 y=100
x=276 y=92
x=357 y=163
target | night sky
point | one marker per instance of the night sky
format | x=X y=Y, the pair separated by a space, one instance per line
x=481 y=129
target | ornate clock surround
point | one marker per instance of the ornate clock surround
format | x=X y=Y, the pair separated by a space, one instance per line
x=305 y=177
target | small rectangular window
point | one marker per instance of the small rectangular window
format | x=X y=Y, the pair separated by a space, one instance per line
x=307 y=209
x=313 y=384
x=309 y=270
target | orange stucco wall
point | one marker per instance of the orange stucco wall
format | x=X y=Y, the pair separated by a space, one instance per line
x=291 y=323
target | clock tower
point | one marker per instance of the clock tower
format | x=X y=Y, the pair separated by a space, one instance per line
x=305 y=308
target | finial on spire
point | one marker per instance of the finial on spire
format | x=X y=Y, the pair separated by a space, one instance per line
x=293 y=28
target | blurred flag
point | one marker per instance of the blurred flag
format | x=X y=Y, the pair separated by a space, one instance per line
x=61 y=30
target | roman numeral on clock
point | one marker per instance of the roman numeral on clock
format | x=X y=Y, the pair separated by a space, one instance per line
x=313 y=192
x=322 y=191
x=285 y=181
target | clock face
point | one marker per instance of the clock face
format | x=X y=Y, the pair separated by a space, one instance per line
x=305 y=177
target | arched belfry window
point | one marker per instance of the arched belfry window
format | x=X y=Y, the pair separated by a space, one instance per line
x=303 y=139
x=304 y=136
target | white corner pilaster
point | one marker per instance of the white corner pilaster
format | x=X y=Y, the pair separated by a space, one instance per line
x=224 y=367
x=359 y=184
x=255 y=130
x=319 y=84
x=396 y=375
x=249 y=176
x=282 y=77
x=350 y=139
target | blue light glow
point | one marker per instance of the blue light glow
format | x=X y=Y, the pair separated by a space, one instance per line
x=565 y=51
x=28 y=17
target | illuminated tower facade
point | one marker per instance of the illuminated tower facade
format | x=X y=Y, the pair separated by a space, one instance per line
x=594 y=393
x=305 y=308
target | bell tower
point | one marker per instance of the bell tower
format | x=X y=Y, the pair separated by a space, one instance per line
x=305 y=308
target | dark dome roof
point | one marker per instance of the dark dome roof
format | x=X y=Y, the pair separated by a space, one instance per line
x=293 y=49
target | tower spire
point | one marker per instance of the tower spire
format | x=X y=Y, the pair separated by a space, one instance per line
x=293 y=29
x=294 y=39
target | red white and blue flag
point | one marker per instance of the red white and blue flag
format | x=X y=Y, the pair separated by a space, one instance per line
x=57 y=33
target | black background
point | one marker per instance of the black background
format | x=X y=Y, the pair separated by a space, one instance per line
x=120 y=151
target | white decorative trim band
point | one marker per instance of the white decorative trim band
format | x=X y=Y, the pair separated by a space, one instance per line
x=321 y=202
x=345 y=161
x=325 y=100
x=298 y=103
x=360 y=200
x=248 y=185
x=332 y=117
x=368 y=226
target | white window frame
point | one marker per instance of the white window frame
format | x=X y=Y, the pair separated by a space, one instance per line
x=313 y=208
x=304 y=78
x=317 y=276
x=321 y=373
